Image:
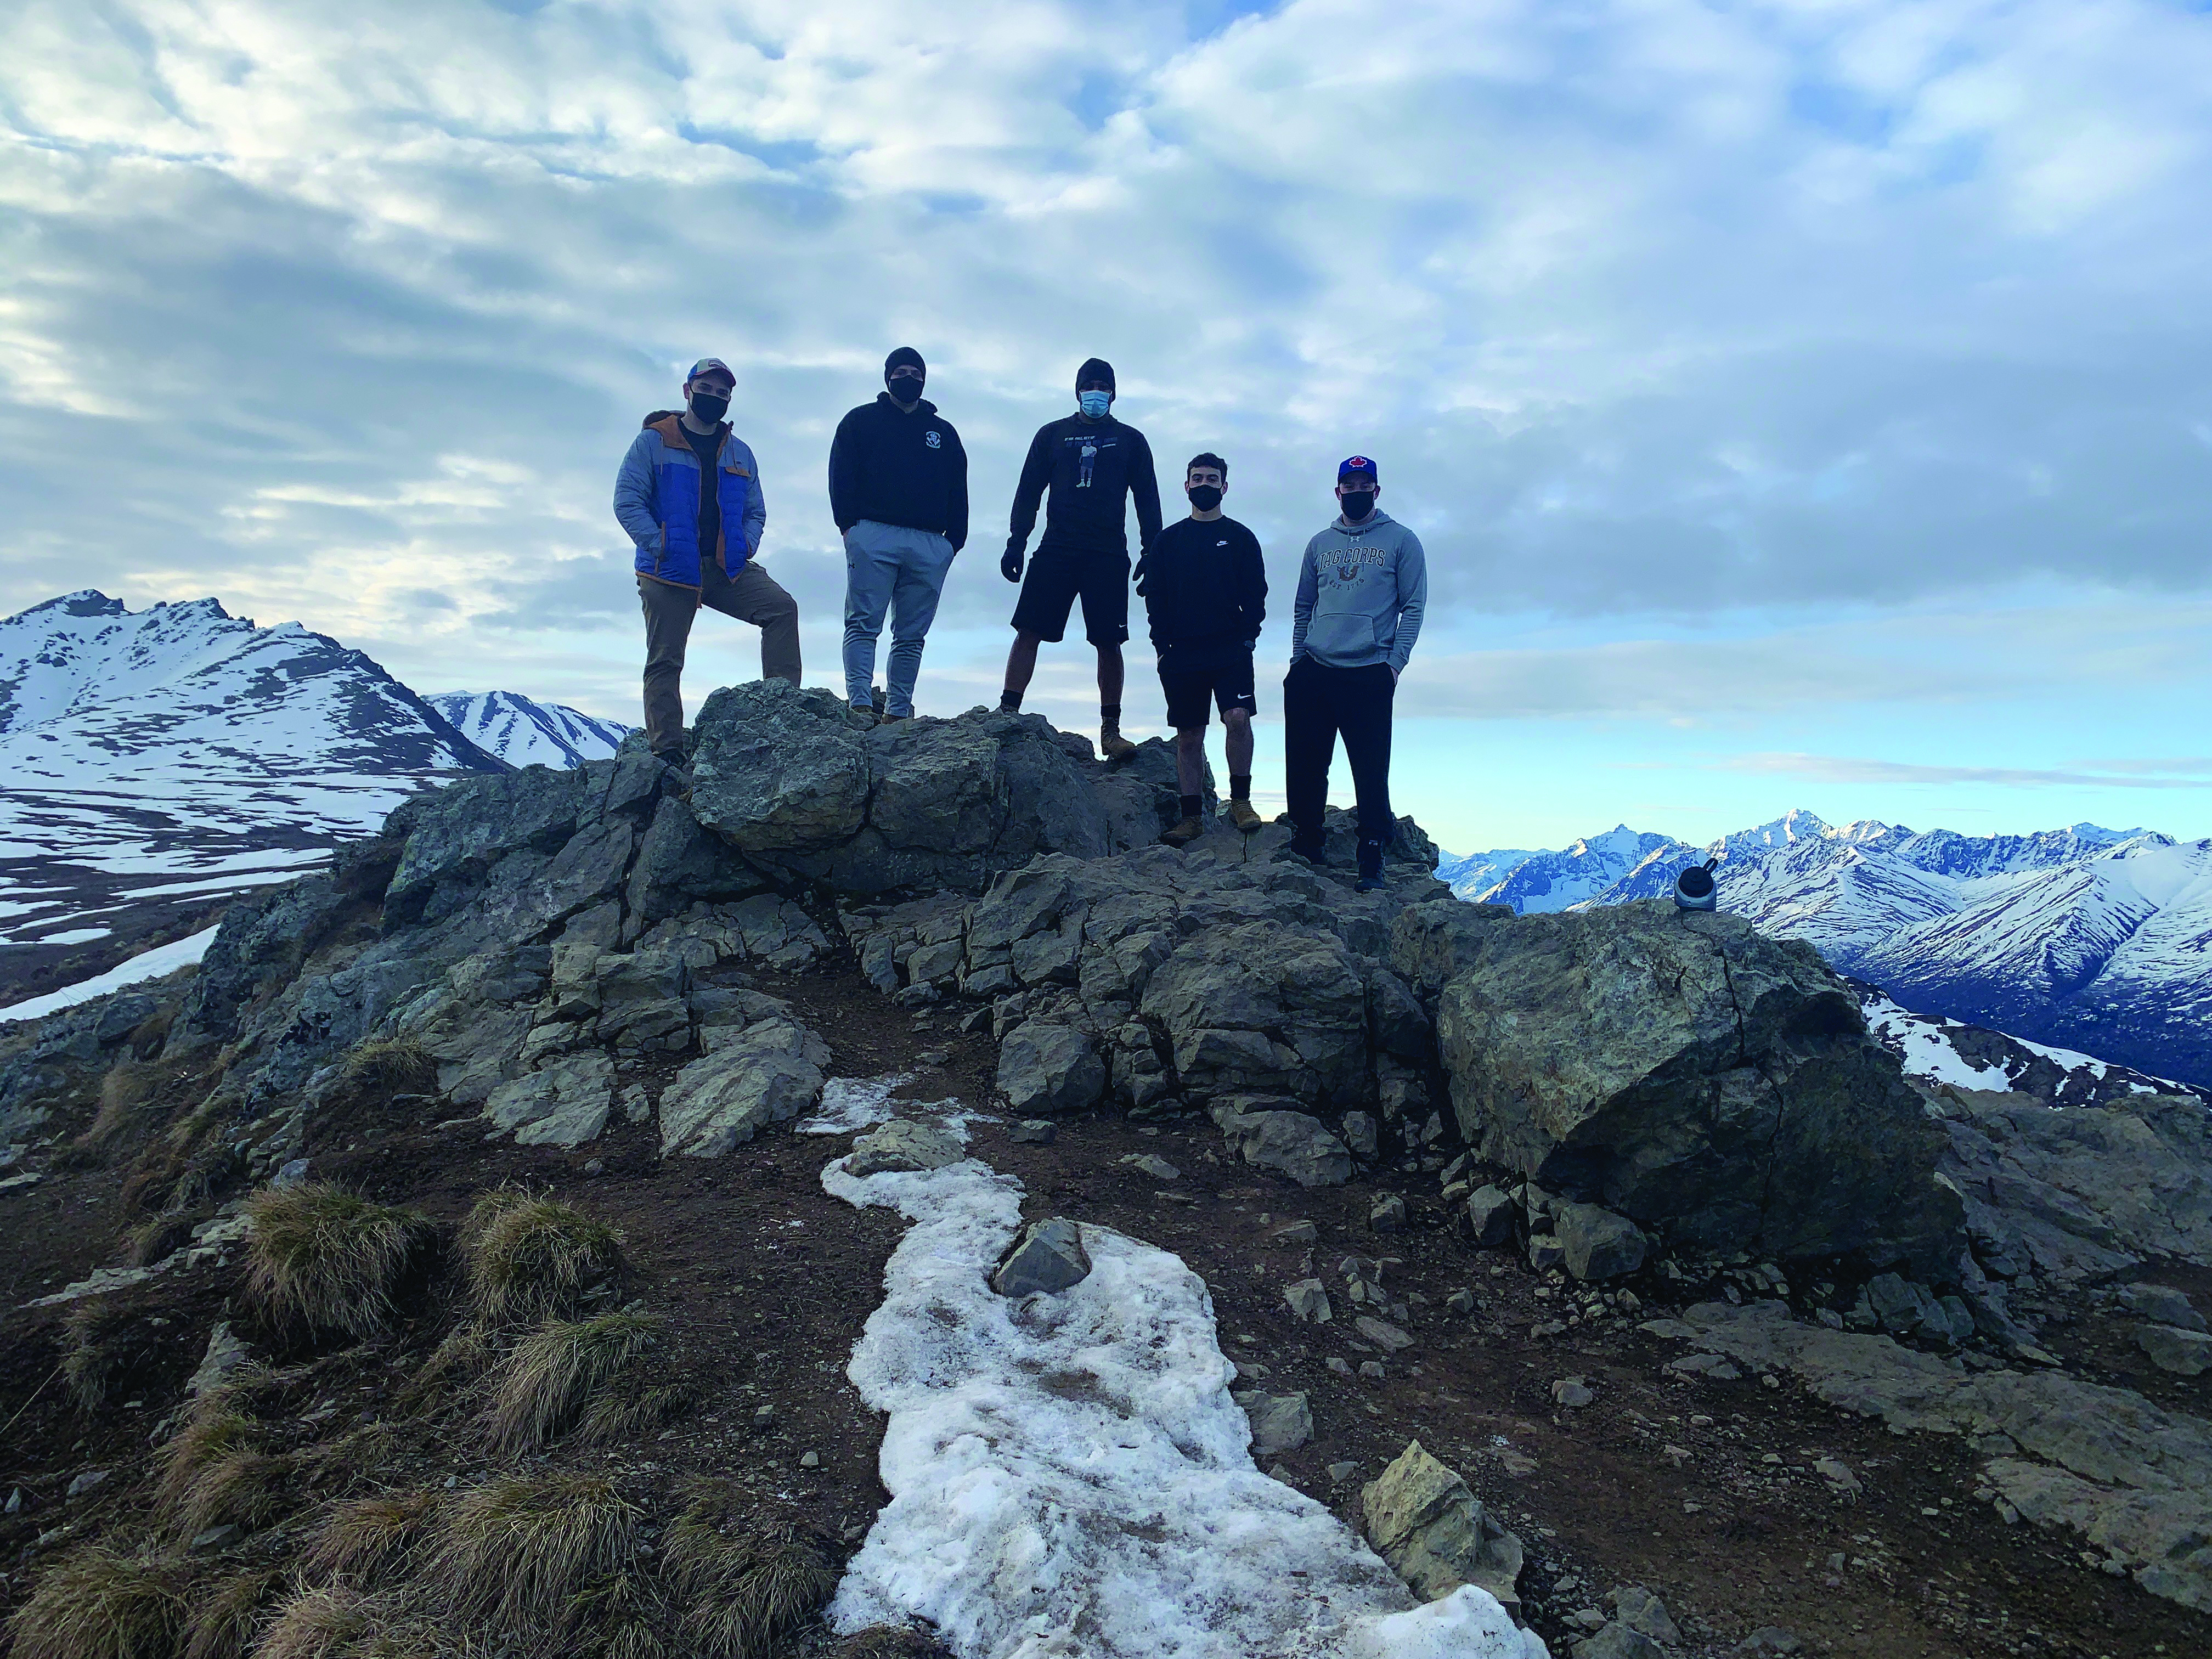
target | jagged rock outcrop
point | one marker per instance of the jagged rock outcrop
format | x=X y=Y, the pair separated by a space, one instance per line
x=2082 y=1193
x=1217 y=977
x=802 y=786
x=1716 y=1086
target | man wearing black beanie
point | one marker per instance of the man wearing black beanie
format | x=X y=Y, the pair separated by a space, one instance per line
x=898 y=489
x=1089 y=461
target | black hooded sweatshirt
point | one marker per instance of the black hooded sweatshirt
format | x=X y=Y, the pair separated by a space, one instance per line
x=900 y=469
x=1088 y=466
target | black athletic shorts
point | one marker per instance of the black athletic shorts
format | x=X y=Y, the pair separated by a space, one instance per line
x=1193 y=677
x=1057 y=576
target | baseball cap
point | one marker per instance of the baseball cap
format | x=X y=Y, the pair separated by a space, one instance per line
x=1352 y=464
x=710 y=365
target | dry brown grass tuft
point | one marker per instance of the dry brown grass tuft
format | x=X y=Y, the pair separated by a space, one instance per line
x=129 y=1099
x=98 y=1603
x=216 y=1471
x=746 y=1582
x=455 y=1367
x=365 y=1540
x=224 y=1617
x=156 y=1237
x=97 y=1347
x=613 y=1418
x=249 y=1488
x=317 y=1624
x=523 y=1551
x=323 y=1258
x=392 y=1063
x=559 y=1370
x=888 y=1642
x=530 y=1258
x=217 y=1429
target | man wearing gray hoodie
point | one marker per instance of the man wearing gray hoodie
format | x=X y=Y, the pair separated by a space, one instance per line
x=1362 y=586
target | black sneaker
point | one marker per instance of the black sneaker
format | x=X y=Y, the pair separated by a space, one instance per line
x=1313 y=853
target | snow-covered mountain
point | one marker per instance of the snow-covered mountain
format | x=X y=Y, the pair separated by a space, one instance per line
x=2085 y=938
x=523 y=731
x=1555 y=881
x=155 y=763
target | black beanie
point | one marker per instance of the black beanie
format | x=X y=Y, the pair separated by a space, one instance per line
x=1095 y=369
x=904 y=357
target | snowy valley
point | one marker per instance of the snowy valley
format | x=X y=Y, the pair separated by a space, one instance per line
x=2090 y=939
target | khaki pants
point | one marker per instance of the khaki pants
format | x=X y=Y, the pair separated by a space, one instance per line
x=754 y=596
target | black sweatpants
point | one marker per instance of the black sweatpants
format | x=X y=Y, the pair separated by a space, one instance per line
x=1318 y=703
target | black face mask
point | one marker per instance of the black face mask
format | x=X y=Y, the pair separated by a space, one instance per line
x=1205 y=497
x=709 y=407
x=906 y=389
x=1357 y=504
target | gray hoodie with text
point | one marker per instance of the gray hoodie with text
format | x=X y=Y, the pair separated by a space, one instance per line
x=1362 y=589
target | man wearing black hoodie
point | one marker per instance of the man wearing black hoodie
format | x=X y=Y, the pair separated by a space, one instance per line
x=1089 y=461
x=898 y=489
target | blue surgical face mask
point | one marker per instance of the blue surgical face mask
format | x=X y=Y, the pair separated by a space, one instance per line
x=1095 y=403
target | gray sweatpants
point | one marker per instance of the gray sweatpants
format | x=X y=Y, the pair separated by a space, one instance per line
x=753 y=597
x=890 y=568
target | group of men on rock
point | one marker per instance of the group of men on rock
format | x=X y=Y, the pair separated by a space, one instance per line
x=688 y=494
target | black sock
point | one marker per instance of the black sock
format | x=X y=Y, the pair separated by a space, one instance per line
x=1191 y=805
x=1109 y=714
x=1239 y=785
x=1010 y=702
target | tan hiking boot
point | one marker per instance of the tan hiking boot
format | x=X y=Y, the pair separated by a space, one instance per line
x=1112 y=746
x=1242 y=815
x=1185 y=832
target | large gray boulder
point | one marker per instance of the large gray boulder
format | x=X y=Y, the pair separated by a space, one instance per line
x=1290 y=1143
x=565 y=1104
x=1050 y=1069
x=800 y=785
x=1435 y=1533
x=764 y=1073
x=1714 y=1085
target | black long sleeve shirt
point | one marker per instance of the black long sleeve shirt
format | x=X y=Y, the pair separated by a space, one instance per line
x=897 y=468
x=1204 y=583
x=1087 y=464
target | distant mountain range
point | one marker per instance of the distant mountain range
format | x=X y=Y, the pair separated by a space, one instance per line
x=2091 y=938
x=155 y=764
x=523 y=731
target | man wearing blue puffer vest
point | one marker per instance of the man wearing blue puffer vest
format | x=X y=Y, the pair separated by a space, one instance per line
x=1363 y=587
x=698 y=544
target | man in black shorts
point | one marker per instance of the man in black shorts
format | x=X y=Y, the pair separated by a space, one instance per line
x=1090 y=460
x=1206 y=593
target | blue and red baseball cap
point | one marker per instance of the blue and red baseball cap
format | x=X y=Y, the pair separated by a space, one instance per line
x=710 y=366
x=1353 y=466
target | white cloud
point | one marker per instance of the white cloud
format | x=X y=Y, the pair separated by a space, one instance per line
x=1651 y=310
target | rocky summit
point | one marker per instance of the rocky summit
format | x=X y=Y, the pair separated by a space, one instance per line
x=1479 y=1214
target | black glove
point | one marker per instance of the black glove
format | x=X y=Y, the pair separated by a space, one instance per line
x=1009 y=563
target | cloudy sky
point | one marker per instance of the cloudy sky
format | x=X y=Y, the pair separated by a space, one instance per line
x=1806 y=403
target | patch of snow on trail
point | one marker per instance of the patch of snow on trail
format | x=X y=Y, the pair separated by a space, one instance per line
x=1069 y=1476
x=850 y=1104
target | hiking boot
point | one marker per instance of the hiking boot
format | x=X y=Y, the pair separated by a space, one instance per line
x=866 y=712
x=1185 y=832
x=1311 y=853
x=1370 y=868
x=890 y=719
x=1242 y=815
x=1112 y=746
